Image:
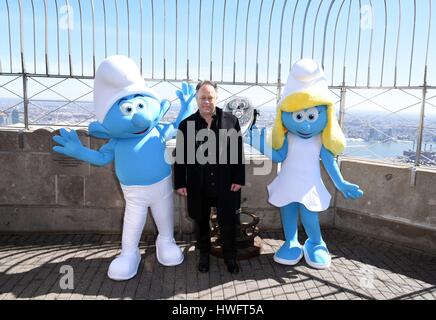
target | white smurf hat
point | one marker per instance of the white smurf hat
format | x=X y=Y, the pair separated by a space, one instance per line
x=116 y=77
x=306 y=88
x=306 y=76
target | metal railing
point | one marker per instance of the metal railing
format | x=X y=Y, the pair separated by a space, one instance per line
x=54 y=37
x=247 y=44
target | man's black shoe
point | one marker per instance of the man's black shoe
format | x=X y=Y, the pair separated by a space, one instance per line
x=232 y=266
x=203 y=264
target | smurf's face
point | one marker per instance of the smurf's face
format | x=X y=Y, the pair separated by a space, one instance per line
x=132 y=116
x=306 y=123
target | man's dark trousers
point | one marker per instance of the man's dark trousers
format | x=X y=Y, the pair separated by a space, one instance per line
x=227 y=226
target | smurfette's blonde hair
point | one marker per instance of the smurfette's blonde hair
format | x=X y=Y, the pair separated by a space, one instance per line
x=332 y=136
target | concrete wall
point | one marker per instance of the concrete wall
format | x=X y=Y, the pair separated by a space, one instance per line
x=395 y=207
x=44 y=191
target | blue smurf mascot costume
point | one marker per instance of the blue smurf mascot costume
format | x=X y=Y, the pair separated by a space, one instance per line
x=305 y=130
x=128 y=113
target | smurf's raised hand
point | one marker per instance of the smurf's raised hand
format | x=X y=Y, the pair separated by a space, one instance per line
x=70 y=144
x=187 y=102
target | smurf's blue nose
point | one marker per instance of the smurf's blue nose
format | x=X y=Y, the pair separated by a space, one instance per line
x=140 y=120
x=308 y=127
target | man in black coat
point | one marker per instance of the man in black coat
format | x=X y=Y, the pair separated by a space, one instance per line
x=210 y=171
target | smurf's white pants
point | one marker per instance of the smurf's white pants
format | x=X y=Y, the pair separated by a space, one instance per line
x=158 y=197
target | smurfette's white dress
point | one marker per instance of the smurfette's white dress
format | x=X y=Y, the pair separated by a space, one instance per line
x=299 y=179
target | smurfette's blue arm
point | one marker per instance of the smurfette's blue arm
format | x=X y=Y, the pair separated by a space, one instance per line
x=70 y=145
x=349 y=190
x=259 y=143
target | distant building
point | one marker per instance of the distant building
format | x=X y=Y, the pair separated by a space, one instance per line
x=15 y=116
x=389 y=133
x=428 y=158
x=373 y=135
x=2 y=118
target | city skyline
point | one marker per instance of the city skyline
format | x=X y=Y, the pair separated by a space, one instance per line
x=369 y=136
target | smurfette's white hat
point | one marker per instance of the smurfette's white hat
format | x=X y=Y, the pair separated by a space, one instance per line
x=306 y=76
x=116 y=77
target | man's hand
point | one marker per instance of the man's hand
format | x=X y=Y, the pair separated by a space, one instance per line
x=182 y=192
x=235 y=187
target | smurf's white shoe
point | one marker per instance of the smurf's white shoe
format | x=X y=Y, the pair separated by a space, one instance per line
x=125 y=266
x=168 y=252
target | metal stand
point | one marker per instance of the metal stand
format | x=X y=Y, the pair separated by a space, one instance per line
x=247 y=240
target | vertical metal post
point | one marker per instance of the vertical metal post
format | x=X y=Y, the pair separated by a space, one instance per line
x=128 y=29
x=199 y=54
x=25 y=102
x=81 y=36
x=279 y=94
x=222 y=41
x=164 y=41
x=342 y=106
x=34 y=37
x=46 y=38
x=257 y=45
x=69 y=22
x=105 y=29
x=342 y=102
x=140 y=36
x=421 y=122
x=177 y=41
x=23 y=64
x=57 y=38
x=23 y=70
x=341 y=124
x=187 y=48
x=9 y=36
x=279 y=90
x=93 y=38
x=420 y=133
x=211 y=41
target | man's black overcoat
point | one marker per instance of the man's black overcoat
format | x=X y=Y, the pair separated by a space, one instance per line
x=230 y=169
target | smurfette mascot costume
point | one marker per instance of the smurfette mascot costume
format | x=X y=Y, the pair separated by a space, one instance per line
x=128 y=114
x=305 y=130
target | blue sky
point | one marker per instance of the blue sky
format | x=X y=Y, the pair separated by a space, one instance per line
x=265 y=47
